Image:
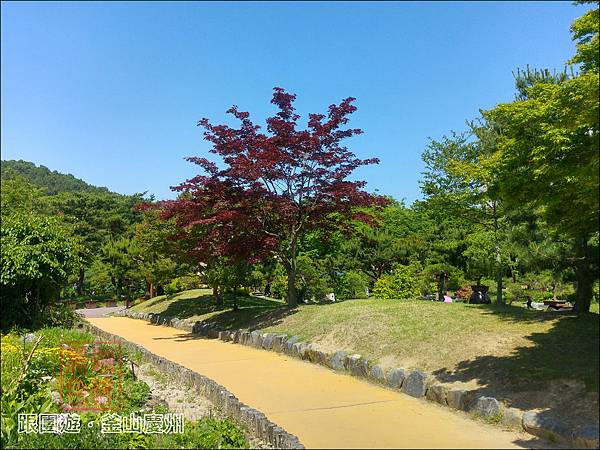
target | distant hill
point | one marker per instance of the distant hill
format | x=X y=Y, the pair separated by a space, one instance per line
x=53 y=181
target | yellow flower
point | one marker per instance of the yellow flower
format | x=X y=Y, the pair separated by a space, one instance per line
x=6 y=347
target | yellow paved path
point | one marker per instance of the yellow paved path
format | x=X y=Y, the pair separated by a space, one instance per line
x=323 y=408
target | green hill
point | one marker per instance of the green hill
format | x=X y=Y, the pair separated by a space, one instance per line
x=53 y=181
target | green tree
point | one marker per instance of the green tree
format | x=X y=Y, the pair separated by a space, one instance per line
x=547 y=157
x=585 y=31
x=376 y=250
x=95 y=217
x=38 y=255
x=458 y=181
x=121 y=263
x=158 y=255
x=18 y=195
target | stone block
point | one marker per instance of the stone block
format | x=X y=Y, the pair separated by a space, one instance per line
x=437 y=393
x=395 y=377
x=267 y=341
x=377 y=373
x=245 y=338
x=338 y=360
x=212 y=333
x=224 y=335
x=547 y=427
x=459 y=398
x=415 y=384
x=358 y=366
x=289 y=344
x=512 y=417
x=297 y=347
x=256 y=339
x=321 y=357
x=278 y=342
x=303 y=350
x=487 y=407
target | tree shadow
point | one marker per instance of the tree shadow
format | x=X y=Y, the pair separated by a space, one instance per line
x=556 y=371
x=204 y=304
x=235 y=312
x=252 y=317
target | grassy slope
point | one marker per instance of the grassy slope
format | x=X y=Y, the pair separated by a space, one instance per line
x=457 y=342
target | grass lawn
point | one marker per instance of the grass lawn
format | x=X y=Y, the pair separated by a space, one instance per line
x=455 y=341
x=530 y=359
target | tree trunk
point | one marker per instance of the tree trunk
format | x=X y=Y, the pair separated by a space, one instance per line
x=217 y=295
x=513 y=271
x=80 y=280
x=292 y=270
x=292 y=294
x=499 y=298
x=584 y=277
x=152 y=290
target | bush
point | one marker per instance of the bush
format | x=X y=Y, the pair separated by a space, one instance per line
x=352 y=285
x=12 y=405
x=464 y=292
x=38 y=255
x=401 y=283
x=182 y=284
x=211 y=433
x=279 y=284
x=59 y=315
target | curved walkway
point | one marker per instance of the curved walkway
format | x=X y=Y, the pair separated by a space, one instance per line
x=323 y=408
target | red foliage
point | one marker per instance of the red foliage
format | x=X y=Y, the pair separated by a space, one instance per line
x=274 y=186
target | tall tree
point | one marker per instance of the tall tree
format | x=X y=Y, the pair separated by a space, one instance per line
x=96 y=217
x=158 y=255
x=274 y=187
x=396 y=239
x=548 y=153
x=457 y=180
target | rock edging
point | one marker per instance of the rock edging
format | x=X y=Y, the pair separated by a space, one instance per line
x=416 y=383
x=258 y=424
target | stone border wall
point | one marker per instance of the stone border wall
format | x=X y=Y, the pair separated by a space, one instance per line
x=416 y=383
x=254 y=420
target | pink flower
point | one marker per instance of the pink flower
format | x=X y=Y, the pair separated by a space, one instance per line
x=101 y=400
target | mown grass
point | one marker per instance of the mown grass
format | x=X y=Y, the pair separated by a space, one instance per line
x=495 y=345
x=199 y=304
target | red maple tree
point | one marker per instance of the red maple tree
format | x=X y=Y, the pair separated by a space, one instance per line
x=274 y=187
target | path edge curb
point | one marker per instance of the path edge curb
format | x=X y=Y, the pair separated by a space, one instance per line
x=532 y=422
x=253 y=419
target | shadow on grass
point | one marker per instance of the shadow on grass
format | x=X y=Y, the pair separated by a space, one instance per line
x=252 y=311
x=537 y=375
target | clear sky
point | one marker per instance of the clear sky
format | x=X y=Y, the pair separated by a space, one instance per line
x=111 y=92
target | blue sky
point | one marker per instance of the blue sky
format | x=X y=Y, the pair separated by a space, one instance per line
x=111 y=92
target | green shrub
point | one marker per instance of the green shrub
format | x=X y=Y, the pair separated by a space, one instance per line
x=60 y=315
x=401 y=283
x=13 y=404
x=38 y=255
x=182 y=284
x=211 y=433
x=135 y=394
x=352 y=284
